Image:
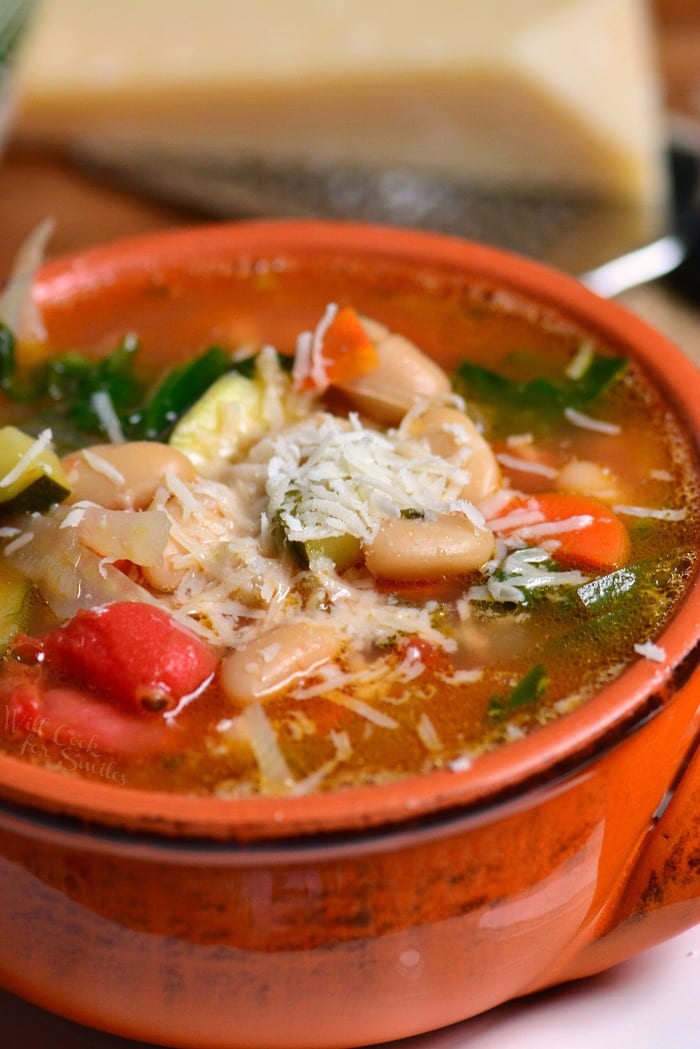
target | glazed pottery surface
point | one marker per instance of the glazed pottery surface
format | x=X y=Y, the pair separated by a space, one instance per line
x=379 y=912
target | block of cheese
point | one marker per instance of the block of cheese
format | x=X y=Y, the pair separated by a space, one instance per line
x=532 y=92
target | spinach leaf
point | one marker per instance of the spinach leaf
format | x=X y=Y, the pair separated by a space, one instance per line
x=600 y=592
x=64 y=388
x=635 y=585
x=179 y=390
x=72 y=380
x=528 y=690
x=527 y=403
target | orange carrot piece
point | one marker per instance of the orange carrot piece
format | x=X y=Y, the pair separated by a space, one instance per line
x=347 y=350
x=602 y=544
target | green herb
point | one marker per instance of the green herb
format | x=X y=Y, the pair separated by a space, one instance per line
x=607 y=588
x=64 y=388
x=534 y=401
x=411 y=514
x=528 y=690
x=634 y=585
x=178 y=390
x=72 y=380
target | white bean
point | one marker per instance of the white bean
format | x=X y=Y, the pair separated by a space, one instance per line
x=165 y=577
x=402 y=375
x=276 y=659
x=423 y=549
x=123 y=476
x=581 y=477
x=452 y=434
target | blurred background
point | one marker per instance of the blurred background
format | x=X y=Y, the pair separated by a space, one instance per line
x=539 y=125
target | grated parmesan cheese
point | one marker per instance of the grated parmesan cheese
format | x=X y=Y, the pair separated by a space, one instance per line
x=587 y=422
x=651 y=651
x=427 y=734
x=330 y=478
x=17 y=544
x=101 y=404
x=663 y=514
x=514 y=462
x=580 y=362
x=33 y=452
x=100 y=465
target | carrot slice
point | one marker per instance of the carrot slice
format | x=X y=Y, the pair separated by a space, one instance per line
x=590 y=536
x=347 y=351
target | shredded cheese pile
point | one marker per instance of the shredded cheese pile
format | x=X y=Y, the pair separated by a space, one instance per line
x=334 y=477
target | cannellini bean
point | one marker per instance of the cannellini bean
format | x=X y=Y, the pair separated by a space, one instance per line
x=450 y=433
x=276 y=659
x=418 y=549
x=581 y=477
x=123 y=476
x=403 y=374
x=165 y=577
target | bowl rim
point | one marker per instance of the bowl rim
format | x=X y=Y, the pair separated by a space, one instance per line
x=564 y=745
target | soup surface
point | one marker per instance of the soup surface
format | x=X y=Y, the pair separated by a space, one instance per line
x=280 y=549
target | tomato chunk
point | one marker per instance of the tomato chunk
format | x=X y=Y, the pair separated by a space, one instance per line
x=58 y=724
x=134 y=654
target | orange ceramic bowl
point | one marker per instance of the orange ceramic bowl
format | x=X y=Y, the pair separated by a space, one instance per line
x=374 y=913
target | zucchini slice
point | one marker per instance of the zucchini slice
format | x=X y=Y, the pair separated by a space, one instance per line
x=224 y=422
x=31 y=476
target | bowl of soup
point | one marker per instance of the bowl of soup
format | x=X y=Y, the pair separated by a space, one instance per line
x=350 y=627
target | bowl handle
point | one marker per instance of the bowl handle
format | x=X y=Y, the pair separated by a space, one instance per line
x=661 y=896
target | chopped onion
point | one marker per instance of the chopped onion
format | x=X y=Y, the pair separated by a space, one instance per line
x=18 y=310
x=131 y=535
x=70 y=576
x=275 y=774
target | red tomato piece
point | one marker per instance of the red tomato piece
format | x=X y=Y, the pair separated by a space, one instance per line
x=419 y=650
x=134 y=654
x=69 y=727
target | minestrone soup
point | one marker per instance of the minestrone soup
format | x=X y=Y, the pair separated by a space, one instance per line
x=331 y=561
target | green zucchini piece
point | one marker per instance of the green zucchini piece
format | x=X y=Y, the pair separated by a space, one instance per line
x=15 y=592
x=224 y=422
x=342 y=550
x=38 y=484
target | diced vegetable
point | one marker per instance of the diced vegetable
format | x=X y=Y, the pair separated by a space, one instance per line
x=135 y=654
x=75 y=728
x=31 y=476
x=224 y=422
x=14 y=604
x=347 y=352
x=342 y=550
x=73 y=387
x=590 y=536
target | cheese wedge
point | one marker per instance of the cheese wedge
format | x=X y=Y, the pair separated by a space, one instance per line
x=531 y=92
